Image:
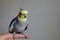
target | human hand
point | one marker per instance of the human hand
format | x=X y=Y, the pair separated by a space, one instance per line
x=9 y=36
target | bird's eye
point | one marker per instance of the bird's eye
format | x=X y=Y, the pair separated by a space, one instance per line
x=25 y=16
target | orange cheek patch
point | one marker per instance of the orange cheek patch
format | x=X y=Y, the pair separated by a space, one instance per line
x=19 y=14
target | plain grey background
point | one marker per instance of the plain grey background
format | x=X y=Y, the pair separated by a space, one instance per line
x=44 y=17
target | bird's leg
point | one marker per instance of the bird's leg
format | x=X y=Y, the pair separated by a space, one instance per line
x=24 y=35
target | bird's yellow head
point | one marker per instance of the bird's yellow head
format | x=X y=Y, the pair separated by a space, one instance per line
x=22 y=15
x=23 y=11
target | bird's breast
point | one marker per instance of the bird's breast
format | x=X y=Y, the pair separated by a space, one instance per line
x=20 y=26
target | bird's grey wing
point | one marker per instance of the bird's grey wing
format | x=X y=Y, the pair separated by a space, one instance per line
x=26 y=27
x=12 y=23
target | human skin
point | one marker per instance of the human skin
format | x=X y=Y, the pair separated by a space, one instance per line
x=9 y=36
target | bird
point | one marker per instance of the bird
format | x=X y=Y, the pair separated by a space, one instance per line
x=19 y=22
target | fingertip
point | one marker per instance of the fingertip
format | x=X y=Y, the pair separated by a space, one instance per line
x=21 y=36
x=27 y=36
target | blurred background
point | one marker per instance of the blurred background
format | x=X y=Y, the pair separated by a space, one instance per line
x=44 y=17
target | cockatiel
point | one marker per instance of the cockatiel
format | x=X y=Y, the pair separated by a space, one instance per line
x=19 y=23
